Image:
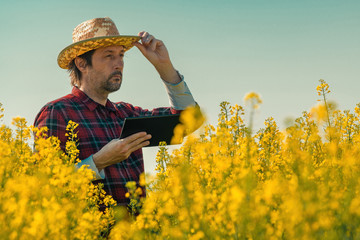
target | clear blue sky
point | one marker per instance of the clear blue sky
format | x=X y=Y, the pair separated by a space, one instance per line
x=225 y=49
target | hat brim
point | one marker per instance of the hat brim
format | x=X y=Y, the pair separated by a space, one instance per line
x=76 y=49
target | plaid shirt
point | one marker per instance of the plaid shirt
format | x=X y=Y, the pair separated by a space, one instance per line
x=98 y=125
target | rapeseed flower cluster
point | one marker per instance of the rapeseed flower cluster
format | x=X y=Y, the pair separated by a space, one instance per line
x=229 y=183
x=42 y=195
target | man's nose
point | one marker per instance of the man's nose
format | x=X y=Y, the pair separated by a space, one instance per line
x=119 y=63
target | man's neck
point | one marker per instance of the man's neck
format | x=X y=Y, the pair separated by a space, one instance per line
x=97 y=96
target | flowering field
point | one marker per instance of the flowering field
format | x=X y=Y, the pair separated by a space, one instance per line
x=231 y=182
x=41 y=194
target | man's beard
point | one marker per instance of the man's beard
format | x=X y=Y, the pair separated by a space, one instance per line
x=111 y=86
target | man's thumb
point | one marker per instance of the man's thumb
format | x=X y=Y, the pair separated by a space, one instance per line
x=140 y=47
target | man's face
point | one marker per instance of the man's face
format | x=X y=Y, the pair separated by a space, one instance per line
x=105 y=74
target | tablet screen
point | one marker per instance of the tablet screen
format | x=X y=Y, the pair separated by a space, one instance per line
x=161 y=128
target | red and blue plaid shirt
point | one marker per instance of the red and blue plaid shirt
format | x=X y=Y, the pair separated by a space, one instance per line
x=98 y=125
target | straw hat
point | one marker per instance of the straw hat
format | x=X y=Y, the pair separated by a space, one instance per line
x=93 y=34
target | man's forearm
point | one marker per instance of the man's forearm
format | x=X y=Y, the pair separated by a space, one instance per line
x=169 y=74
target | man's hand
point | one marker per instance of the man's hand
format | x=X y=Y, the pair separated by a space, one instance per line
x=157 y=54
x=118 y=150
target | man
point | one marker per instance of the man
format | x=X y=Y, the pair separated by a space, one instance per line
x=96 y=61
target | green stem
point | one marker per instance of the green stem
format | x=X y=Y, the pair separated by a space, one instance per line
x=328 y=113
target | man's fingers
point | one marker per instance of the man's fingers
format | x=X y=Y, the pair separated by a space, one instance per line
x=140 y=140
x=134 y=136
x=140 y=34
x=138 y=146
x=136 y=141
x=153 y=44
x=145 y=37
x=148 y=39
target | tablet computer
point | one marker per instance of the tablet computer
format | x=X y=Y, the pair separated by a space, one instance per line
x=161 y=128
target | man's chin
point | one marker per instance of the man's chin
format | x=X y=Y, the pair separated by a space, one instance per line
x=113 y=87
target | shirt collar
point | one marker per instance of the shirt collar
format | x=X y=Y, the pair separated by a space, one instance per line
x=89 y=103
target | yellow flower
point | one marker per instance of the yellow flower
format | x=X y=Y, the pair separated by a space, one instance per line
x=319 y=112
x=253 y=99
x=323 y=88
x=1 y=111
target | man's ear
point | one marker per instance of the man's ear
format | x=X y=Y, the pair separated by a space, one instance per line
x=80 y=64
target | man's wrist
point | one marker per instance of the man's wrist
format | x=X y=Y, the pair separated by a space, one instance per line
x=169 y=74
x=89 y=162
x=97 y=162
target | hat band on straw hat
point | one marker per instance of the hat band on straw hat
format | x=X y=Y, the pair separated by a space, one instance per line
x=93 y=34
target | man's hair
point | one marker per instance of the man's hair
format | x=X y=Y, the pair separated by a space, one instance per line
x=74 y=72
